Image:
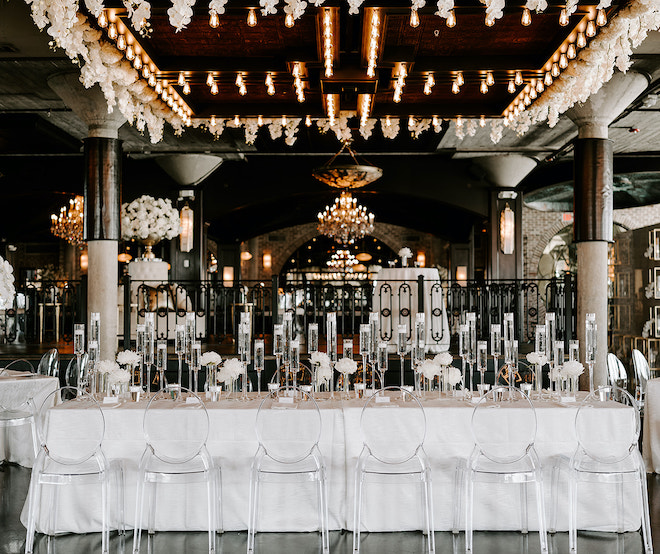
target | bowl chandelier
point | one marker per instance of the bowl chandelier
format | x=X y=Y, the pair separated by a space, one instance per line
x=346 y=220
x=342 y=259
x=347 y=176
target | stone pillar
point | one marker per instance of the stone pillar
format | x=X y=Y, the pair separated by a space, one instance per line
x=102 y=200
x=593 y=205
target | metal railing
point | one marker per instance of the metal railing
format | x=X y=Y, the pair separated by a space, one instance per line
x=46 y=311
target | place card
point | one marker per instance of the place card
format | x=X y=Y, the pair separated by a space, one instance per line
x=110 y=400
x=567 y=399
x=382 y=399
x=192 y=400
x=286 y=400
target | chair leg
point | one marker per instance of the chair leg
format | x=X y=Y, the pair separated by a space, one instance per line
x=33 y=506
x=646 y=520
x=357 y=510
x=619 y=506
x=105 y=514
x=572 y=514
x=459 y=484
x=35 y=438
x=323 y=511
x=524 y=519
x=152 y=498
x=119 y=484
x=469 y=498
x=252 y=510
x=554 y=499
x=139 y=507
x=211 y=507
x=218 y=485
x=430 y=527
x=540 y=507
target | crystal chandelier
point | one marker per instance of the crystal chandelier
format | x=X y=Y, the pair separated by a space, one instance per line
x=69 y=224
x=342 y=259
x=346 y=220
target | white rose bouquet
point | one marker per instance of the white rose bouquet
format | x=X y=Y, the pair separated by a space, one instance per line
x=230 y=371
x=573 y=369
x=115 y=375
x=346 y=366
x=210 y=358
x=128 y=358
x=7 y=290
x=149 y=216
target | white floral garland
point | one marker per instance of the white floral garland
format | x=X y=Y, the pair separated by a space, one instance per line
x=7 y=289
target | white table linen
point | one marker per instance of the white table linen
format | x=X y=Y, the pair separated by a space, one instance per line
x=15 y=388
x=232 y=442
x=651 y=434
x=402 y=295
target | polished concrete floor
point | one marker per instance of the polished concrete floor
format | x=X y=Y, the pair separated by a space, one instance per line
x=14 y=482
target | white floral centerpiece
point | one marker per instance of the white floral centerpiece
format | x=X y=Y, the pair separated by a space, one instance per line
x=451 y=376
x=230 y=371
x=537 y=358
x=444 y=359
x=128 y=358
x=321 y=361
x=211 y=360
x=346 y=366
x=149 y=220
x=405 y=254
x=7 y=289
x=116 y=378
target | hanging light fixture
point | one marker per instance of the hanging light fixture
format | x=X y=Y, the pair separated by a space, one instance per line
x=347 y=176
x=69 y=224
x=187 y=218
x=346 y=220
x=507 y=230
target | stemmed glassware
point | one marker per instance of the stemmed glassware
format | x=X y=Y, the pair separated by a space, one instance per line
x=180 y=348
x=313 y=348
x=288 y=336
x=463 y=347
x=383 y=359
x=161 y=361
x=141 y=344
x=295 y=360
x=92 y=360
x=374 y=324
x=540 y=347
x=331 y=338
x=550 y=334
x=278 y=348
x=150 y=326
x=195 y=363
x=558 y=361
x=79 y=350
x=244 y=354
x=365 y=350
x=402 y=346
x=259 y=361
x=590 y=335
x=419 y=348
x=471 y=321
x=496 y=345
x=482 y=362
x=574 y=351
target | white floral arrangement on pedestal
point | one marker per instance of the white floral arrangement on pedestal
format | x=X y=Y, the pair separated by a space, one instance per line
x=452 y=376
x=115 y=374
x=537 y=358
x=148 y=217
x=7 y=289
x=128 y=358
x=405 y=254
x=430 y=369
x=323 y=367
x=346 y=366
x=444 y=359
x=210 y=358
x=230 y=371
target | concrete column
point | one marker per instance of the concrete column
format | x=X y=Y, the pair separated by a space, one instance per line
x=102 y=200
x=593 y=205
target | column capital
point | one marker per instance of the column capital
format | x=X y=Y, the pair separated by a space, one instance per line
x=594 y=115
x=89 y=105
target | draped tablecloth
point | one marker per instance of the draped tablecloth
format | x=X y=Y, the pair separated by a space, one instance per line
x=395 y=297
x=292 y=507
x=651 y=434
x=15 y=388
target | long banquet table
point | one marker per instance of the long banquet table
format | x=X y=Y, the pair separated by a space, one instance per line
x=232 y=442
x=15 y=388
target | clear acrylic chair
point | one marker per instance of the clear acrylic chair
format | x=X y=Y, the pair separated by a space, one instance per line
x=69 y=455
x=616 y=372
x=288 y=429
x=642 y=375
x=393 y=449
x=72 y=370
x=606 y=454
x=176 y=454
x=20 y=365
x=503 y=454
x=15 y=415
x=50 y=363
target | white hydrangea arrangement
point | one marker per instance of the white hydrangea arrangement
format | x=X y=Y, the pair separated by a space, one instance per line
x=452 y=376
x=346 y=366
x=115 y=375
x=537 y=358
x=7 y=289
x=230 y=370
x=128 y=358
x=147 y=216
x=430 y=369
x=323 y=367
x=572 y=369
x=443 y=359
x=210 y=358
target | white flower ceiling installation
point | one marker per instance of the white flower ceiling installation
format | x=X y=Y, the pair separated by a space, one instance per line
x=109 y=54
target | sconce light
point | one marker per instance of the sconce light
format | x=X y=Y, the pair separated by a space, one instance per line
x=507 y=230
x=461 y=274
x=267 y=260
x=84 y=261
x=228 y=276
x=186 y=237
x=246 y=256
x=421 y=259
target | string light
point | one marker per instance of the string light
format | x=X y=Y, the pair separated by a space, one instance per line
x=186 y=88
x=182 y=79
x=547 y=80
x=283 y=121
x=490 y=21
x=451 y=19
x=518 y=79
x=112 y=31
x=563 y=61
x=540 y=87
x=414 y=18
x=388 y=121
x=212 y=122
x=455 y=87
x=152 y=80
x=601 y=18
x=483 y=88
x=237 y=121
x=570 y=51
x=242 y=89
x=581 y=40
x=214 y=88
x=482 y=121
x=512 y=87
x=430 y=82
x=209 y=79
x=563 y=17
x=137 y=63
x=400 y=82
x=252 y=18
x=526 y=18
x=555 y=70
x=308 y=121
x=214 y=20
x=102 y=20
x=328 y=43
x=365 y=108
x=158 y=88
x=270 y=87
x=145 y=71
x=330 y=103
x=289 y=21
x=130 y=53
x=459 y=79
x=372 y=54
x=121 y=42
x=459 y=121
x=490 y=80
